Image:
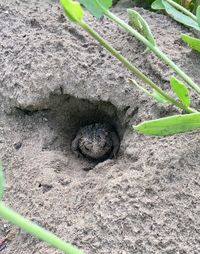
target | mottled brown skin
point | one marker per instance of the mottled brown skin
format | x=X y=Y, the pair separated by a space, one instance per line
x=96 y=141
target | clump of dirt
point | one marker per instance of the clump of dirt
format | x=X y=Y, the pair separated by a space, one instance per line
x=55 y=78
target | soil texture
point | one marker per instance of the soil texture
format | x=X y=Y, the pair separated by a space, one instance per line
x=54 y=78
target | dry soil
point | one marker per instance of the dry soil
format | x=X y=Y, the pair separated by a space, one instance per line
x=55 y=78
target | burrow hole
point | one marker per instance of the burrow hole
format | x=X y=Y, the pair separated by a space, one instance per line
x=68 y=114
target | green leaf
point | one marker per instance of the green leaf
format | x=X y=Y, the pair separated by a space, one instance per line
x=97 y=7
x=191 y=41
x=180 y=90
x=138 y=23
x=198 y=15
x=170 y=125
x=73 y=10
x=179 y=16
x=158 y=5
x=1 y=180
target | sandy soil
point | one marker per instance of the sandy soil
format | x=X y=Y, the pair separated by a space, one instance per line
x=54 y=78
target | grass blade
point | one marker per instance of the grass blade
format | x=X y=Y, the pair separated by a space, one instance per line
x=169 y=125
x=155 y=94
x=96 y=7
x=140 y=25
x=36 y=230
x=198 y=15
x=180 y=90
x=191 y=41
x=72 y=9
x=157 y=5
x=179 y=16
x=159 y=98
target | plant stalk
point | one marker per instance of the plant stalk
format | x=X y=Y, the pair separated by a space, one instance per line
x=155 y=49
x=133 y=69
x=36 y=230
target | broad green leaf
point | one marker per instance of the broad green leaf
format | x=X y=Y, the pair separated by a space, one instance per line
x=170 y=125
x=158 y=97
x=158 y=5
x=191 y=41
x=138 y=23
x=1 y=180
x=96 y=7
x=72 y=9
x=180 y=90
x=198 y=15
x=179 y=16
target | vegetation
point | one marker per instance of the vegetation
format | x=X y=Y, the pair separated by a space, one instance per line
x=190 y=5
x=30 y=227
x=140 y=29
x=179 y=13
x=165 y=126
x=183 y=16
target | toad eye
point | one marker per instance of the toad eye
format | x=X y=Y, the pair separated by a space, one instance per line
x=87 y=147
x=105 y=144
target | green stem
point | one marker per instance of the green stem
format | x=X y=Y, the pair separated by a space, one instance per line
x=141 y=88
x=155 y=49
x=133 y=69
x=36 y=230
x=182 y=9
x=114 y=52
x=187 y=109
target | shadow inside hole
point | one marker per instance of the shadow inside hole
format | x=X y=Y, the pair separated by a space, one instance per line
x=68 y=114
